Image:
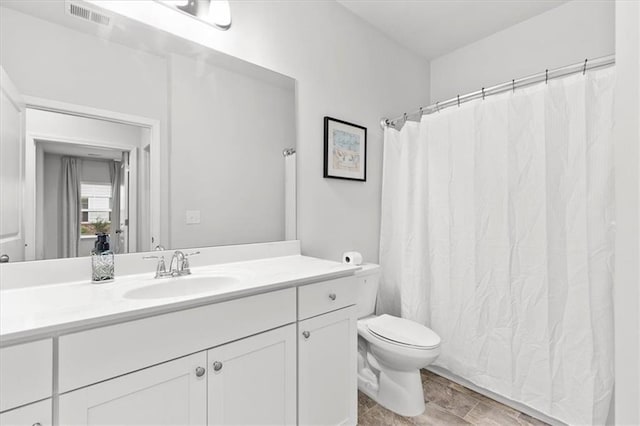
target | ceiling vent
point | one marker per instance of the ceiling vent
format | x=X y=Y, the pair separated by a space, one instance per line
x=86 y=13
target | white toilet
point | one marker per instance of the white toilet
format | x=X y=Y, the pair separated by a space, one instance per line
x=391 y=351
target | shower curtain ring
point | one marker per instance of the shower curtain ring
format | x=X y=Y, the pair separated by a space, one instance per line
x=458 y=101
x=584 y=69
x=483 y=93
x=438 y=106
x=513 y=85
x=546 y=77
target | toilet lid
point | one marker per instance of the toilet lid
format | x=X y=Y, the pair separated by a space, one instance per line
x=404 y=331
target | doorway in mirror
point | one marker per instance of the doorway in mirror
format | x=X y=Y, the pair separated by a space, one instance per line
x=90 y=177
x=70 y=172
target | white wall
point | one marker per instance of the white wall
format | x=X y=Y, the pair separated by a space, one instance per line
x=228 y=131
x=627 y=175
x=344 y=68
x=562 y=36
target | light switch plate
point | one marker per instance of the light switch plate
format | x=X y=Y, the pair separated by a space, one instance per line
x=193 y=217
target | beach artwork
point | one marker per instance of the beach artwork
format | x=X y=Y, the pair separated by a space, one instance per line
x=345 y=150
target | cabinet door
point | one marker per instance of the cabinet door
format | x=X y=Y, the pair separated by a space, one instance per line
x=253 y=381
x=327 y=363
x=172 y=393
x=26 y=373
x=38 y=413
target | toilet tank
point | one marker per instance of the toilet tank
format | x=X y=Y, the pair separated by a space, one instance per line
x=367 y=279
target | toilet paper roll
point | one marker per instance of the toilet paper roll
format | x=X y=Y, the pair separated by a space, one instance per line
x=352 y=258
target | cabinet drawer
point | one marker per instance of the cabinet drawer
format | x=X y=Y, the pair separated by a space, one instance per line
x=316 y=299
x=36 y=413
x=91 y=356
x=25 y=373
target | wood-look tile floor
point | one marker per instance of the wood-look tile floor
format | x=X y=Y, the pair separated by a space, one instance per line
x=447 y=403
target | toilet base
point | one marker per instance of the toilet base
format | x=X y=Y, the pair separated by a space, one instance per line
x=398 y=391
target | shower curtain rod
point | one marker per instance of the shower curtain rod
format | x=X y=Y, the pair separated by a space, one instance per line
x=545 y=76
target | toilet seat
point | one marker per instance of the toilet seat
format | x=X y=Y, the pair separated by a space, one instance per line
x=403 y=332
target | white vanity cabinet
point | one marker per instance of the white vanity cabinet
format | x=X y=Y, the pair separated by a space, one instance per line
x=284 y=356
x=253 y=381
x=26 y=373
x=36 y=414
x=172 y=393
x=327 y=353
x=136 y=372
x=249 y=381
x=101 y=353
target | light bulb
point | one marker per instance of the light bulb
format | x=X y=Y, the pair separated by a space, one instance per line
x=220 y=13
x=176 y=3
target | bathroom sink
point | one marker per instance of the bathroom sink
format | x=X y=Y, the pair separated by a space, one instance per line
x=180 y=286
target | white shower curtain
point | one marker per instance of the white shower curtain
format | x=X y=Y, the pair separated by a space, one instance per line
x=497 y=232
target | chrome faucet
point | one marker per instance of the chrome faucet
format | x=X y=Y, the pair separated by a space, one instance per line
x=181 y=265
x=180 y=260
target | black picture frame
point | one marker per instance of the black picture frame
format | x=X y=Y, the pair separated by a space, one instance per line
x=345 y=150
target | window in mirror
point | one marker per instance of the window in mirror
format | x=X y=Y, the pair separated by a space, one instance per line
x=96 y=205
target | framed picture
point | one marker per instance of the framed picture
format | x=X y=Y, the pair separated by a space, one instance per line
x=345 y=150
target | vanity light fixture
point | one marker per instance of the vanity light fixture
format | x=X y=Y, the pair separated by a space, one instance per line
x=213 y=12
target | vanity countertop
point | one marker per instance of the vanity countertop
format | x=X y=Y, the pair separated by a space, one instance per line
x=35 y=312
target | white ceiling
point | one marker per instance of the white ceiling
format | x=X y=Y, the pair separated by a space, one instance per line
x=432 y=28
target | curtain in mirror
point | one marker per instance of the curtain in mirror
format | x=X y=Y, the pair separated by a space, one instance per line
x=70 y=200
x=115 y=174
x=498 y=233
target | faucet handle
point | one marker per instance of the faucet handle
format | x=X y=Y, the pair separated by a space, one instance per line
x=152 y=257
x=161 y=268
x=185 y=262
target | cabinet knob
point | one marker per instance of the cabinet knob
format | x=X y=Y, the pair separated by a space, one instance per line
x=306 y=334
x=332 y=296
x=200 y=371
x=217 y=366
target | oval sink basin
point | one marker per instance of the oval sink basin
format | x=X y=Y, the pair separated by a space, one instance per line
x=180 y=286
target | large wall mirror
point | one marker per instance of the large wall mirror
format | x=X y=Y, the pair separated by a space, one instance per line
x=112 y=126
